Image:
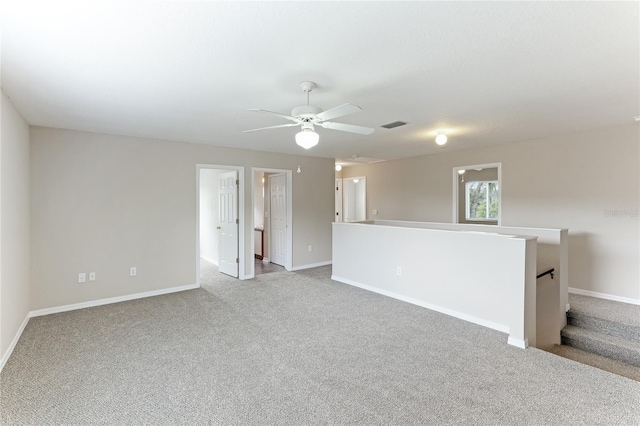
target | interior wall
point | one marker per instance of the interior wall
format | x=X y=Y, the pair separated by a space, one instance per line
x=258 y=199
x=209 y=191
x=105 y=203
x=267 y=218
x=14 y=223
x=586 y=182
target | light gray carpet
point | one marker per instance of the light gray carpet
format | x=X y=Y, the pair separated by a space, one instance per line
x=298 y=349
x=623 y=313
x=605 y=328
x=595 y=360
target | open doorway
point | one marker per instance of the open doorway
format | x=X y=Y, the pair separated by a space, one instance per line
x=354 y=199
x=220 y=219
x=271 y=219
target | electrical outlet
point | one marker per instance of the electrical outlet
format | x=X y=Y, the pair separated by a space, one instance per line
x=310 y=248
x=375 y=212
x=399 y=271
x=133 y=271
x=92 y=276
x=82 y=277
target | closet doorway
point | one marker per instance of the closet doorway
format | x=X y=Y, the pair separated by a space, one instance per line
x=220 y=222
x=271 y=219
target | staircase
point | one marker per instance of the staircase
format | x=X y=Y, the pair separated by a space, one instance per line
x=603 y=334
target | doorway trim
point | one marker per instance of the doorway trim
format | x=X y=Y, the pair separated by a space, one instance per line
x=288 y=175
x=455 y=187
x=241 y=245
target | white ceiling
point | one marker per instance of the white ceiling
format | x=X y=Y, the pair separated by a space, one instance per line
x=488 y=72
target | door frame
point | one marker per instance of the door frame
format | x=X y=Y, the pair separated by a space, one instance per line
x=241 y=246
x=455 y=188
x=339 y=201
x=288 y=175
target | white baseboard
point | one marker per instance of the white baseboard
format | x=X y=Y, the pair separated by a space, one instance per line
x=311 y=265
x=604 y=296
x=14 y=342
x=100 y=302
x=447 y=311
x=519 y=343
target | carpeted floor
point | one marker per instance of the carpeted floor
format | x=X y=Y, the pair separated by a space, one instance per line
x=298 y=349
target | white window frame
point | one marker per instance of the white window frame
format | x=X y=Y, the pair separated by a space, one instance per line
x=455 y=179
x=466 y=199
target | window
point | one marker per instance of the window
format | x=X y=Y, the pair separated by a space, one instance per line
x=481 y=198
x=476 y=194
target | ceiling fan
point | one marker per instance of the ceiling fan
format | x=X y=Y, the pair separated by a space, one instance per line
x=306 y=116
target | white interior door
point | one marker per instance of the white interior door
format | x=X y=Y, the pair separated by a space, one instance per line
x=228 y=228
x=278 y=215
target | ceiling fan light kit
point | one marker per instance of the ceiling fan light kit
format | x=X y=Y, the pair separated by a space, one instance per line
x=307 y=138
x=306 y=116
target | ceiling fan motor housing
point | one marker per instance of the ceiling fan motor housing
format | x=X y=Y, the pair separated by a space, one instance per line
x=306 y=111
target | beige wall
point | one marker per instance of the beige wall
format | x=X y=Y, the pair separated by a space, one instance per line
x=14 y=223
x=258 y=199
x=104 y=203
x=588 y=183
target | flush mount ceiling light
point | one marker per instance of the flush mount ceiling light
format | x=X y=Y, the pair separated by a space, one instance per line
x=338 y=167
x=637 y=118
x=441 y=139
x=461 y=172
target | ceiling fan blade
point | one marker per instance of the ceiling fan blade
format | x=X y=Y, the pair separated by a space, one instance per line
x=271 y=127
x=287 y=117
x=347 y=128
x=338 y=111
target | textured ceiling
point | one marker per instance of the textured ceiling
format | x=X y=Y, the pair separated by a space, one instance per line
x=489 y=73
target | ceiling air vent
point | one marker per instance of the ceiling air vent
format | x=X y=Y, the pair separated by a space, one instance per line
x=394 y=124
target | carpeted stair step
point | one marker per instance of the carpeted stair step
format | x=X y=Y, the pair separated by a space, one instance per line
x=601 y=362
x=624 y=330
x=605 y=316
x=627 y=351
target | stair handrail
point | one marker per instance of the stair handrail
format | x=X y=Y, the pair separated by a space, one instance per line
x=549 y=272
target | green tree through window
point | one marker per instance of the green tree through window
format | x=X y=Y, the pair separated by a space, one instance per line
x=482 y=200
